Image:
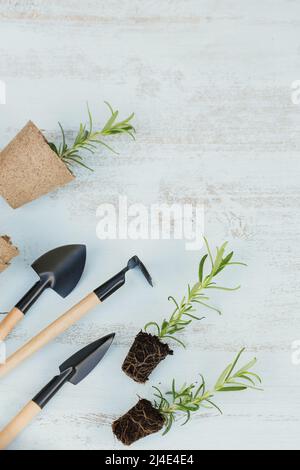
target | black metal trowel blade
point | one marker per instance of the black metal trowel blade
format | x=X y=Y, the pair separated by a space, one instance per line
x=85 y=360
x=63 y=267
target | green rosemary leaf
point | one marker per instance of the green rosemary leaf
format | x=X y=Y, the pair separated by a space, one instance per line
x=209 y=306
x=224 y=263
x=106 y=145
x=80 y=163
x=188 y=417
x=223 y=377
x=109 y=106
x=230 y=289
x=257 y=377
x=152 y=323
x=159 y=392
x=215 y=406
x=53 y=147
x=172 y=298
x=90 y=118
x=125 y=120
x=232 y=366
x=201 y=388
x=186 y=408
x=245 y=377
x=131 y=134
x=232 y=389
x=169 y=425
x=175 y=339
x=63 y=136
x=227 y=259
x=219 y=258
x=108 y=126
x=237 y=264
x=209 y=252
x=173 y=389
x=194 y=316
x=201 y=267
x=248 y=366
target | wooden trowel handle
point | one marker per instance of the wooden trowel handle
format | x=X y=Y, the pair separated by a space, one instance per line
x=18 y=424
x=51 y=332
x=9 y=322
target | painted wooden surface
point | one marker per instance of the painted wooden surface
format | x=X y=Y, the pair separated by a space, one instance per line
x=210 y=84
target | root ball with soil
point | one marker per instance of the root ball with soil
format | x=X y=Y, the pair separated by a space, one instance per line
x=141 y=421
x=144 y=356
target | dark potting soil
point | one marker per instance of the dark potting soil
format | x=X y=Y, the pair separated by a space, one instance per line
x=144 y=356
x=141 y=421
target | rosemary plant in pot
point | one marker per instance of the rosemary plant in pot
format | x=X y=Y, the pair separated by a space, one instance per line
x=30 y=166
x=149 y=417
x=148 y=350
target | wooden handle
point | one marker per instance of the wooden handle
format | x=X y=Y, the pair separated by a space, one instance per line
x=50 y=333
x=9 y=322
x=18 y=424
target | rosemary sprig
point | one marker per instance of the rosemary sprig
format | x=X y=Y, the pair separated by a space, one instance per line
x=183 y=314
x=188 y=399
x=87 y=139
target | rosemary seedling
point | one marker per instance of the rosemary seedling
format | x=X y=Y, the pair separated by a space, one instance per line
x=87 y=138
x=188 y=399
x=183 y=314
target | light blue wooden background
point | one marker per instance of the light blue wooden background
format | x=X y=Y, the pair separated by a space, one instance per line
x=210 y=84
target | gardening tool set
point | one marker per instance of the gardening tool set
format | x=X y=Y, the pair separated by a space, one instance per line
x=32 y=167
x=60 y=270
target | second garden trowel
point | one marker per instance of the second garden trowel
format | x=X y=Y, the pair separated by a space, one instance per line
x=60 y=270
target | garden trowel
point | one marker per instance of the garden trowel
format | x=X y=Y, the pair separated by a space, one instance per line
x=74 y=370
x=60 y=270
x=59 y=326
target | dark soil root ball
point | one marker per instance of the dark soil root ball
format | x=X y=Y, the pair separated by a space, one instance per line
x=141 y=421
x=144 y=356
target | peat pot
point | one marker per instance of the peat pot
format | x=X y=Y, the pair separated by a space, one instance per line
x=29 y=168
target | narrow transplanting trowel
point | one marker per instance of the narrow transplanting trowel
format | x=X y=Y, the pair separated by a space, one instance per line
x=73 y=315
x=60 y=270
x=74 y=370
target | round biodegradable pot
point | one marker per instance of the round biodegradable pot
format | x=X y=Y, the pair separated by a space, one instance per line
x=29 y=168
